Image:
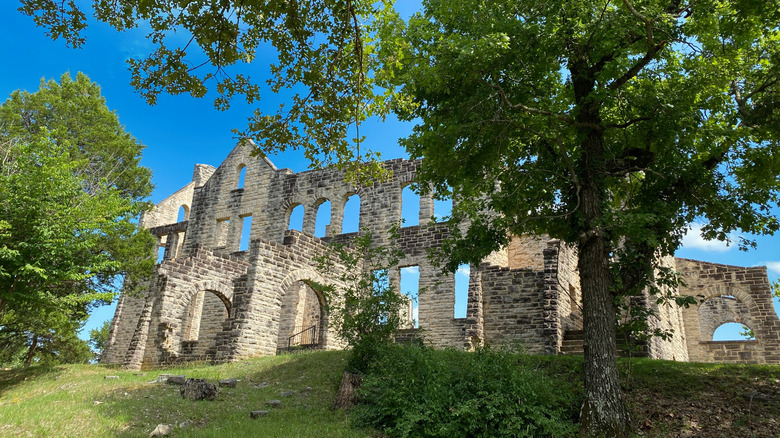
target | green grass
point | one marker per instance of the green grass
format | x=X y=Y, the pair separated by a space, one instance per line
x=61 y=401
x=667 y=399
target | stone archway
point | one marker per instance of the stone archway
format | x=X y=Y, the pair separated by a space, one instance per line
x=303 y=316
x=208 y=306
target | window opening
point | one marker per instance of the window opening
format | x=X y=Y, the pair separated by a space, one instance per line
x=323 y=219
x=462 y=290
x=246 y=229
x=442 y=208
x=410 y=286
x=351 y=222
x=733 y=331
x=223 y=225
x=160 y=254
x=184 y=214
x=381 y=286
x=296 y=218
x=241 y=176
x=410 y=207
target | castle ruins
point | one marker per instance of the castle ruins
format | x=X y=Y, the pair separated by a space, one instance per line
x=210 y=300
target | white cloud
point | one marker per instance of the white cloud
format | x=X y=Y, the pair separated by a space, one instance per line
x=464 y=270
x=413 y=270
x=774 y=267
x=693 y=240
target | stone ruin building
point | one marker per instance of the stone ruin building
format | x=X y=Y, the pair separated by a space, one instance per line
x=209 y=300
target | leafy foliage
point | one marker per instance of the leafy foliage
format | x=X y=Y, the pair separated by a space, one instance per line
x=608 y=125
x=71 y=186
x=413 y=391
x=324 y=60
x=98 y=338
x=366 y=310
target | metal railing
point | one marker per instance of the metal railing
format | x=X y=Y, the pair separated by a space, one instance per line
x=304 y=338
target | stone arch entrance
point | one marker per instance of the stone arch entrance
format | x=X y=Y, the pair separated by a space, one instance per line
x=203 y=319
x=302 y=318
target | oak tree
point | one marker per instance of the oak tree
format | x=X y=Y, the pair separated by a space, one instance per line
x=610 y=125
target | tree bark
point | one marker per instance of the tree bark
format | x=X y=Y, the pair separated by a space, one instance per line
x=31 y=351
x=603 y=411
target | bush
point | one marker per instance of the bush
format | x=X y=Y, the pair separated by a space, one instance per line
x=413 y=391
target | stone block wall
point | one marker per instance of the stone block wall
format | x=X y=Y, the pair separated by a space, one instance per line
x=729 y=294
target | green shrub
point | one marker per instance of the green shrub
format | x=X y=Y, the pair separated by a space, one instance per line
x=413 y=391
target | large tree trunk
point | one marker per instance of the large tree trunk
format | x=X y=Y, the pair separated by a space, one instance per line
x=603 y=411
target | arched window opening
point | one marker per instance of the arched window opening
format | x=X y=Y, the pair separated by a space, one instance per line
x=351 y=222
x=241 y=176
x=295 y=220
x=184 y=214
x=410 y=207
x=323 y=219
x=410 y=286
x=733 y=331
x=462 y=290
x=442 y=208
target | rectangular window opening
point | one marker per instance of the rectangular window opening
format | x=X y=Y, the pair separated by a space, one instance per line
x=410 y=286
x=381 y=286
x=223 y=225
x=246 y=229
x=462 y=290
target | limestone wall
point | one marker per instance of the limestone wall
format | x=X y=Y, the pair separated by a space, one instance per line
x=729 y=294
x=513 y=307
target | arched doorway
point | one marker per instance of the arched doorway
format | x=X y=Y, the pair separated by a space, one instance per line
x=302 y=319
x=204 y=318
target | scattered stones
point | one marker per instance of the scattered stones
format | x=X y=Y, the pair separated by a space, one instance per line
x=177 y=380
x=162 y=430
x=288 y=393
x=184 y=424
x=228 y=383
x=95 y=403
x=258 y=414
x=262 y=385
x=274 y=403
x=198 y=389
x=162 y=378
x=111 y=377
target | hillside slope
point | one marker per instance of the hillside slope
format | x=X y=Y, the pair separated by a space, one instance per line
x=668 y=399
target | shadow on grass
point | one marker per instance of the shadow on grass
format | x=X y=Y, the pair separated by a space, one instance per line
x=305 y=384
x=10 y=378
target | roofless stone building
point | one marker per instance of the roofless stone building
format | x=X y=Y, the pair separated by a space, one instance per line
x=209 y=299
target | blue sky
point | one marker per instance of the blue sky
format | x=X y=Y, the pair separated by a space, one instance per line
x=181 y=131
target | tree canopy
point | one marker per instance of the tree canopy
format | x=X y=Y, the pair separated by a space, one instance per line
x=608 y=125
x=71 y=186
x=320 y=53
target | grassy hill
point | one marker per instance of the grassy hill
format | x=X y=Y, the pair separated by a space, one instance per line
x=666 y=398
